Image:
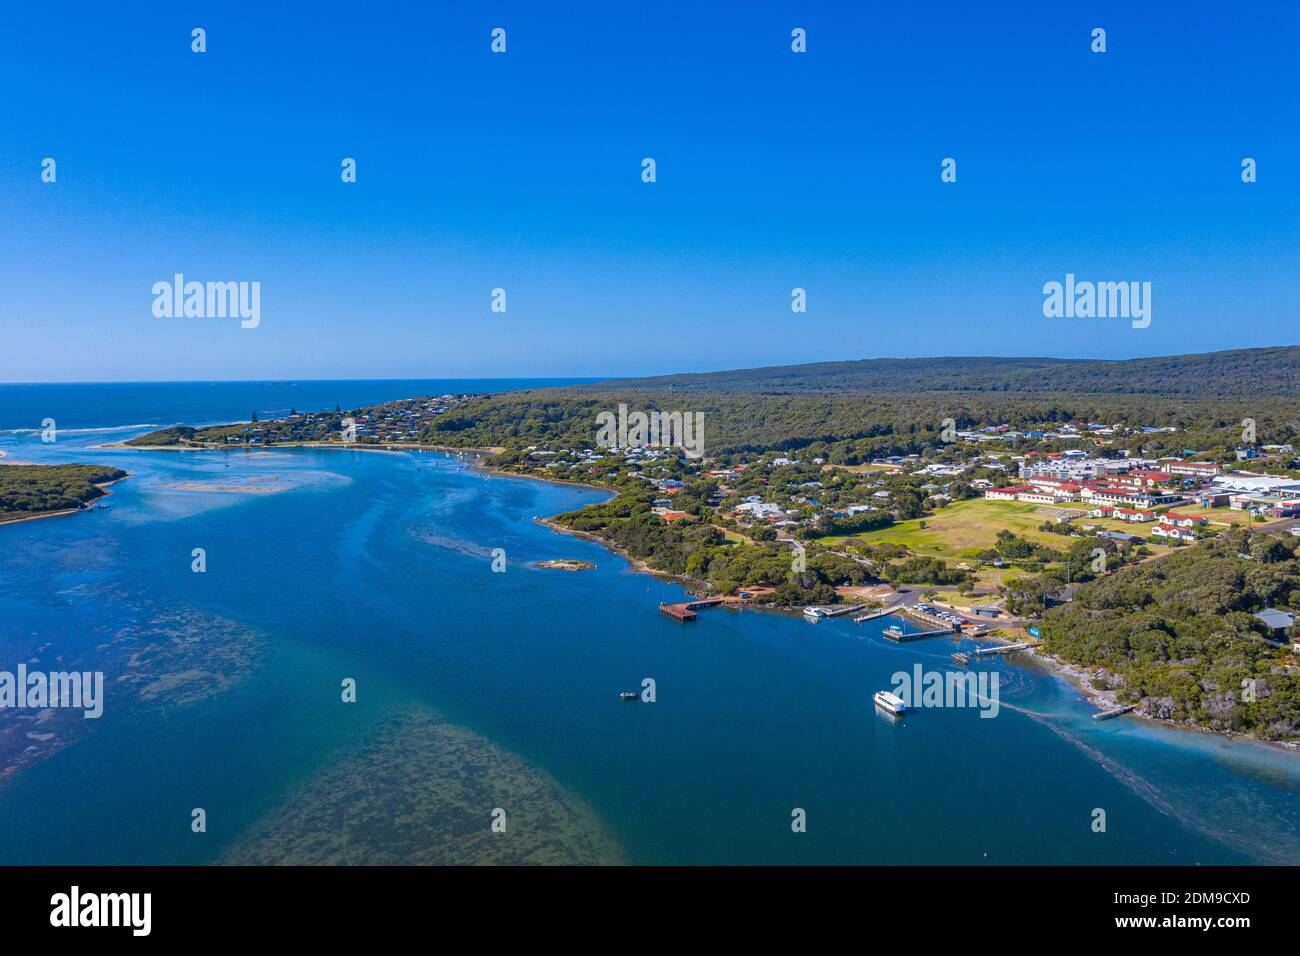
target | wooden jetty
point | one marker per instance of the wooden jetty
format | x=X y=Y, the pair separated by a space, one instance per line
x=872 y=615
x=685 y=610
x=1113 y=712
x=831 y=611
x=1002 y=649
x=679 y=612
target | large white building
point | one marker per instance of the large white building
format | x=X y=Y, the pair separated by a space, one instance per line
x=1075 y=469
x=1255 y=484
x=1192 y=469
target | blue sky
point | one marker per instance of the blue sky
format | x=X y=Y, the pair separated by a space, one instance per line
x=522 y=171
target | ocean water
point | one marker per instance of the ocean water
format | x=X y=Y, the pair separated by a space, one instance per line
x=479 y=692
x=101 y=405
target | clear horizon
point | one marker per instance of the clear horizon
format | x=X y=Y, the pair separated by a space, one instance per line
x=775 y=170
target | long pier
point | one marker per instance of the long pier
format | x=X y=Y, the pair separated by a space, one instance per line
x=872 y=615
x=1113 y=712
x=685 y=610
x=896 y=634
x=832 y=611
x=1002 y=648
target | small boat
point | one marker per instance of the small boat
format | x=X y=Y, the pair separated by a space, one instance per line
x=628 y=695
x=889 y=702
x=961 y=659
x=814 y=613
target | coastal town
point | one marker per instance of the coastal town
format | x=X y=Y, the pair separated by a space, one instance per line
x=988 y=542
x=393 y=423
x=963 y=522
x=1151 y=562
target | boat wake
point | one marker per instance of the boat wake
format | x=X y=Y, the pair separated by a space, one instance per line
x=1214 y=822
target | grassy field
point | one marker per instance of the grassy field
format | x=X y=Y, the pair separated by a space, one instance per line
x=960 y=531
x=734 y=536
x=1216 y=515
x=862 y=469
x=1140 y=528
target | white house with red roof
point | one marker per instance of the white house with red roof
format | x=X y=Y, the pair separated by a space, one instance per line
x=1183 y=521
x=1007 y=494
x=1130 y=515
x=1174 y=532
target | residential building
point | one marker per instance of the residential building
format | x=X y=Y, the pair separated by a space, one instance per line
x=1007 y=494
x=1129 y=515
x=1183 y=521
x=1277 y=621
x=1194 y=469
x=1174 y=532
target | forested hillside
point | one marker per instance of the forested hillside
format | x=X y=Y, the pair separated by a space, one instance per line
x=1239 y=372
x=1180 y=635
x=848 y=429
x=852 y=410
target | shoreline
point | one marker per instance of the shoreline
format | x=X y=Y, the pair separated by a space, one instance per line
x=474 y=452
x=354 y=446
x=20 y=519
x=63 y=513
x=507 y=473
x=638 y=566
x=1077 y=678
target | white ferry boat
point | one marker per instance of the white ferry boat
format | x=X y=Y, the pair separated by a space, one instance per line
x=890 y=702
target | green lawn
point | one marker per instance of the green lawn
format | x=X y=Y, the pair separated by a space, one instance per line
x=863 y=469
x=1215 y=515
x=734 y=536
x=960 y=531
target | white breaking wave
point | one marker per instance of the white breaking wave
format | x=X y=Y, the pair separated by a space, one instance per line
x=76 y=431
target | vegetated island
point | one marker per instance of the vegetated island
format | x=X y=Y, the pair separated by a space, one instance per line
x=1069 y=495
x=565 y=564
x=43 y=491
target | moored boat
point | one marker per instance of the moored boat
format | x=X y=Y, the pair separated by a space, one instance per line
x=889 y=702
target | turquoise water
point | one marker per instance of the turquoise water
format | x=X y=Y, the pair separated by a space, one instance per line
x=377 y=566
